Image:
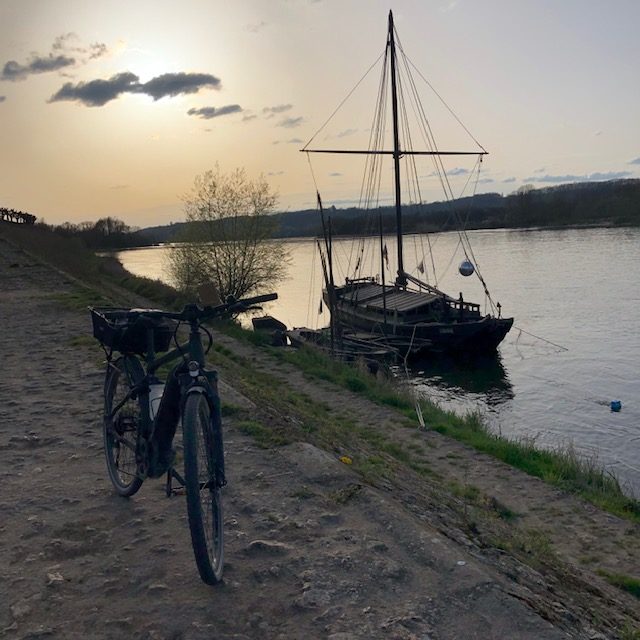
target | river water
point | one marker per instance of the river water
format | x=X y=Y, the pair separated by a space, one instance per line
x=575 y=345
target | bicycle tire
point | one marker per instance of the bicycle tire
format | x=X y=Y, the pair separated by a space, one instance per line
x=204 y=496
x=120 y=432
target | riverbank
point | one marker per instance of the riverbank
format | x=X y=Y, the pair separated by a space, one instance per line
x=446 y=543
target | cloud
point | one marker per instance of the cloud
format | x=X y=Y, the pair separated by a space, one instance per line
x=15 y=71
x=486 y=181
x=295 y=141
x=63 y=54
x=458 y=171
x=212 y=112
x=511 y=179
x=589 y=177
x=173 y=84
x=636 y=161
x=290 y=123
x=346 y=132
x=280 y=108
x=97 y=50
x=250 y=116
x=3 y=98
x=97 y=93
x=275 y=173
x=335 y=174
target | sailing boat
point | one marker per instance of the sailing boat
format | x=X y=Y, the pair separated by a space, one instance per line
x=407 y=313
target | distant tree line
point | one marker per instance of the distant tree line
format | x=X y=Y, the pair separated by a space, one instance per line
x=611 y=203
x=17 y=217
x=102 y=235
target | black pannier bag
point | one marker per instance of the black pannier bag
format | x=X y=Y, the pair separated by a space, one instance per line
x=125 y=330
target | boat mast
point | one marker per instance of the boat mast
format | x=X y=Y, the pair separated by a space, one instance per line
x=401 y=279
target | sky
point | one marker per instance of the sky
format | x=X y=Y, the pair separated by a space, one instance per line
x=112 y=107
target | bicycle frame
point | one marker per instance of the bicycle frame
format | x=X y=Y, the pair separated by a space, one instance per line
x=194 y=379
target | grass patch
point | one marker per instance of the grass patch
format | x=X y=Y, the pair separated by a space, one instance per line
x=263 y=435
x=83 y=341
x=373 y=468
x=303 y=493
x=533 y=544
x=229 y=410
x=346 y=494
x=623 y=582
x=80 y=298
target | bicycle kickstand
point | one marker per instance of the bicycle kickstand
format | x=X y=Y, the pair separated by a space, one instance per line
x=169 y=488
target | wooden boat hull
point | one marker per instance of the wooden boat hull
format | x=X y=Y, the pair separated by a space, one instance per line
x=470 y=333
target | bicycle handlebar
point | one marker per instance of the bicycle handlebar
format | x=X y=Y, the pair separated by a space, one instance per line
x=192 y=312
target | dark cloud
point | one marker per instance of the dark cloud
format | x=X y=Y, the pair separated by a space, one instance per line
x=589 y=177
x=3 y=98
x=174 y=84
x=290 y=123
x=97 y=93
x=65 y=43
x=14 y=71
x=636 y=161
x=280 y=108
x=212 y=112
x=64 y=53
x=97 y=50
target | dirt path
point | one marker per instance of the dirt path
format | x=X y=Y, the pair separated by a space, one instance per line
x=312 y=551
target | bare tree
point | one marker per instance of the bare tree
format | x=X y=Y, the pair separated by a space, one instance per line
x=227 y=240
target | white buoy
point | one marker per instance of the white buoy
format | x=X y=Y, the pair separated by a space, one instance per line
x=466 y=268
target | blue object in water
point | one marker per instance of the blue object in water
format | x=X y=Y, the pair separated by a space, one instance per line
x=616 y=405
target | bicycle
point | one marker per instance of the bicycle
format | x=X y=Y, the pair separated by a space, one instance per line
x=141 y=414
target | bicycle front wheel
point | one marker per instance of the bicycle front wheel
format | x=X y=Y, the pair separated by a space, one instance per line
x=122 y=419
x=204 y=497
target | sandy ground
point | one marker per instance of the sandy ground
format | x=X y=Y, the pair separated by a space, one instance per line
x=312 y=551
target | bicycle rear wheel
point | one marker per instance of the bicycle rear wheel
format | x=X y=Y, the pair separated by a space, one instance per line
x=204 y=496
x=122 y=419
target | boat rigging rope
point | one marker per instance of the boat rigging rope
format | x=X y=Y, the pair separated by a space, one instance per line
x=417 y=406
x=533 y=335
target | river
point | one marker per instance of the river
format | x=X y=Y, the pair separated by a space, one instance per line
x=577 y=291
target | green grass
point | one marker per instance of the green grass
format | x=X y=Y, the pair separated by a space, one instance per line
x=81 y=298
x=263 y=435
x=623 y=582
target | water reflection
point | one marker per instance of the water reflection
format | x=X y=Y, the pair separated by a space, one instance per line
x=465 y=377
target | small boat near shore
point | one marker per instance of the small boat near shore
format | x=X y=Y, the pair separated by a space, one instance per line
x=345 y=347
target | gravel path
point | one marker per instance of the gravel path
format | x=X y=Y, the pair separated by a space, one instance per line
x=312 y=552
